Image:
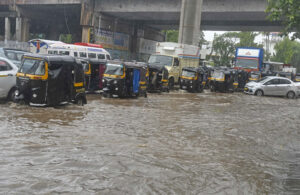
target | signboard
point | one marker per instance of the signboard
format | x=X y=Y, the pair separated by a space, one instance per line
x=252 y=53
x=108 y=39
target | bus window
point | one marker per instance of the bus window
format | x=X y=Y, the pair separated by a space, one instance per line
x=50 y=52
x=82 y=54
x=65 y=53
x=92 y=55
x=101 y=56
x=75 y=54
x=108 y=57
x=55 y=52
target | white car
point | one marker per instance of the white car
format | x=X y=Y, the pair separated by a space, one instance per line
x=8 y=72
x=273 y=86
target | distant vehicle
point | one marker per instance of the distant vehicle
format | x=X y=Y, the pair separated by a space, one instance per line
x=273 y=86
x=80 y=50
x=93 y=71
x=192 y=79
x=249 y=59
x=125 y=79
x=223 y=80
x=8 y=71
x=174 y=57
x=157 y=78
x=14 y=55
x=50 y=80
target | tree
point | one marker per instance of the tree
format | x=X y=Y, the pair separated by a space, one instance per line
x=224 y=48
x=202 y=40
x=172 y=35
x=247 y=39
x=287 y=12
x=284 y=51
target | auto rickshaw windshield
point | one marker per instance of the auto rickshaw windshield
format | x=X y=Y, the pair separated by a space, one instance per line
x=254 y=75
x=218 y=75
x=33 y=66
x=114 y=69
x=186 y=73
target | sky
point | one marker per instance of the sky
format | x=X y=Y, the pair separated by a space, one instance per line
x=209 y=36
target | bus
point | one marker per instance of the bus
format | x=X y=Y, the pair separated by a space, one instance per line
x=92 y=51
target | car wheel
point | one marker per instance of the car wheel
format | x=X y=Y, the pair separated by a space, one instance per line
x=259 y=93
x=290 y=95
x=11 y=95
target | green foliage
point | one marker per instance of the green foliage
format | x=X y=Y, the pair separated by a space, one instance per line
x=288 y=52
x=247 y=40
x=287 y=12
x=224 y=47
x=66 y=38
x=172 y=35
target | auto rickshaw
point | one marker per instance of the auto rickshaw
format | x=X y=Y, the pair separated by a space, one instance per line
x=192 y=79
x=208 y=71
x=94 y=70
x=297 y=77
x=288 y=75
x=125 y=79
x=222 y=80
x=241 y=77
x=50 y=80
x=254 y=75
x=158 y=78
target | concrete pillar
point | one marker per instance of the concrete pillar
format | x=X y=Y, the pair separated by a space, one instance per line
x=25 y=30
x=7 y=35
x=85 y=34
x=190 y=20
x=19 y=29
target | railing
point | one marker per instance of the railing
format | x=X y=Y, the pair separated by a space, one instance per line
x=15 y=45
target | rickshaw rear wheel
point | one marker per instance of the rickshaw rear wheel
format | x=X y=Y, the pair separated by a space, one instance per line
x=171 y=83
x=80 y=101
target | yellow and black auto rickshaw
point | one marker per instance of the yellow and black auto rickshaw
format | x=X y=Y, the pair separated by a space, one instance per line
x=93 y=70
x=192 y=79
x=297 y=77
x=158 y=78
x=125 y=79
x=50 y=80
x=241 y=77
x=222 y=80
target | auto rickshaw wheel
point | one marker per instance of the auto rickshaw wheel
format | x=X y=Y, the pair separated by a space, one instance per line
x=80 y=101
x=171 y=83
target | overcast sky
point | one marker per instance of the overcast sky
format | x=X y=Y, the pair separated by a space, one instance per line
x=209 y=36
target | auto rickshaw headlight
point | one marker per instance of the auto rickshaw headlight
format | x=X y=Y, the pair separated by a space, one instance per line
x=103 y=80
x=34 y=95
x=17 y=93
x=115 y=82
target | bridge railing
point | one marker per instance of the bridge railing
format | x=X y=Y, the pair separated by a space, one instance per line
x=15 y=45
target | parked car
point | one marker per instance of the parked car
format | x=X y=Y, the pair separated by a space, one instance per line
x=273 y=86
x=14 y=55
x=8 y=71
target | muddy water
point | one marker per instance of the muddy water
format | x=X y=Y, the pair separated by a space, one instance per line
x=175 y=143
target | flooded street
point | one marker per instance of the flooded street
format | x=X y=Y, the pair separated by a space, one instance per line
x=176 y=143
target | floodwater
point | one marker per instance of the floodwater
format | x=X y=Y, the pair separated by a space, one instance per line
x=176 y=143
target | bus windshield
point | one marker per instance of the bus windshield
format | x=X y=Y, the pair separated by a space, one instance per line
x=247 y=63
x=159 y=59
x=114 y=69
x=33 y=66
